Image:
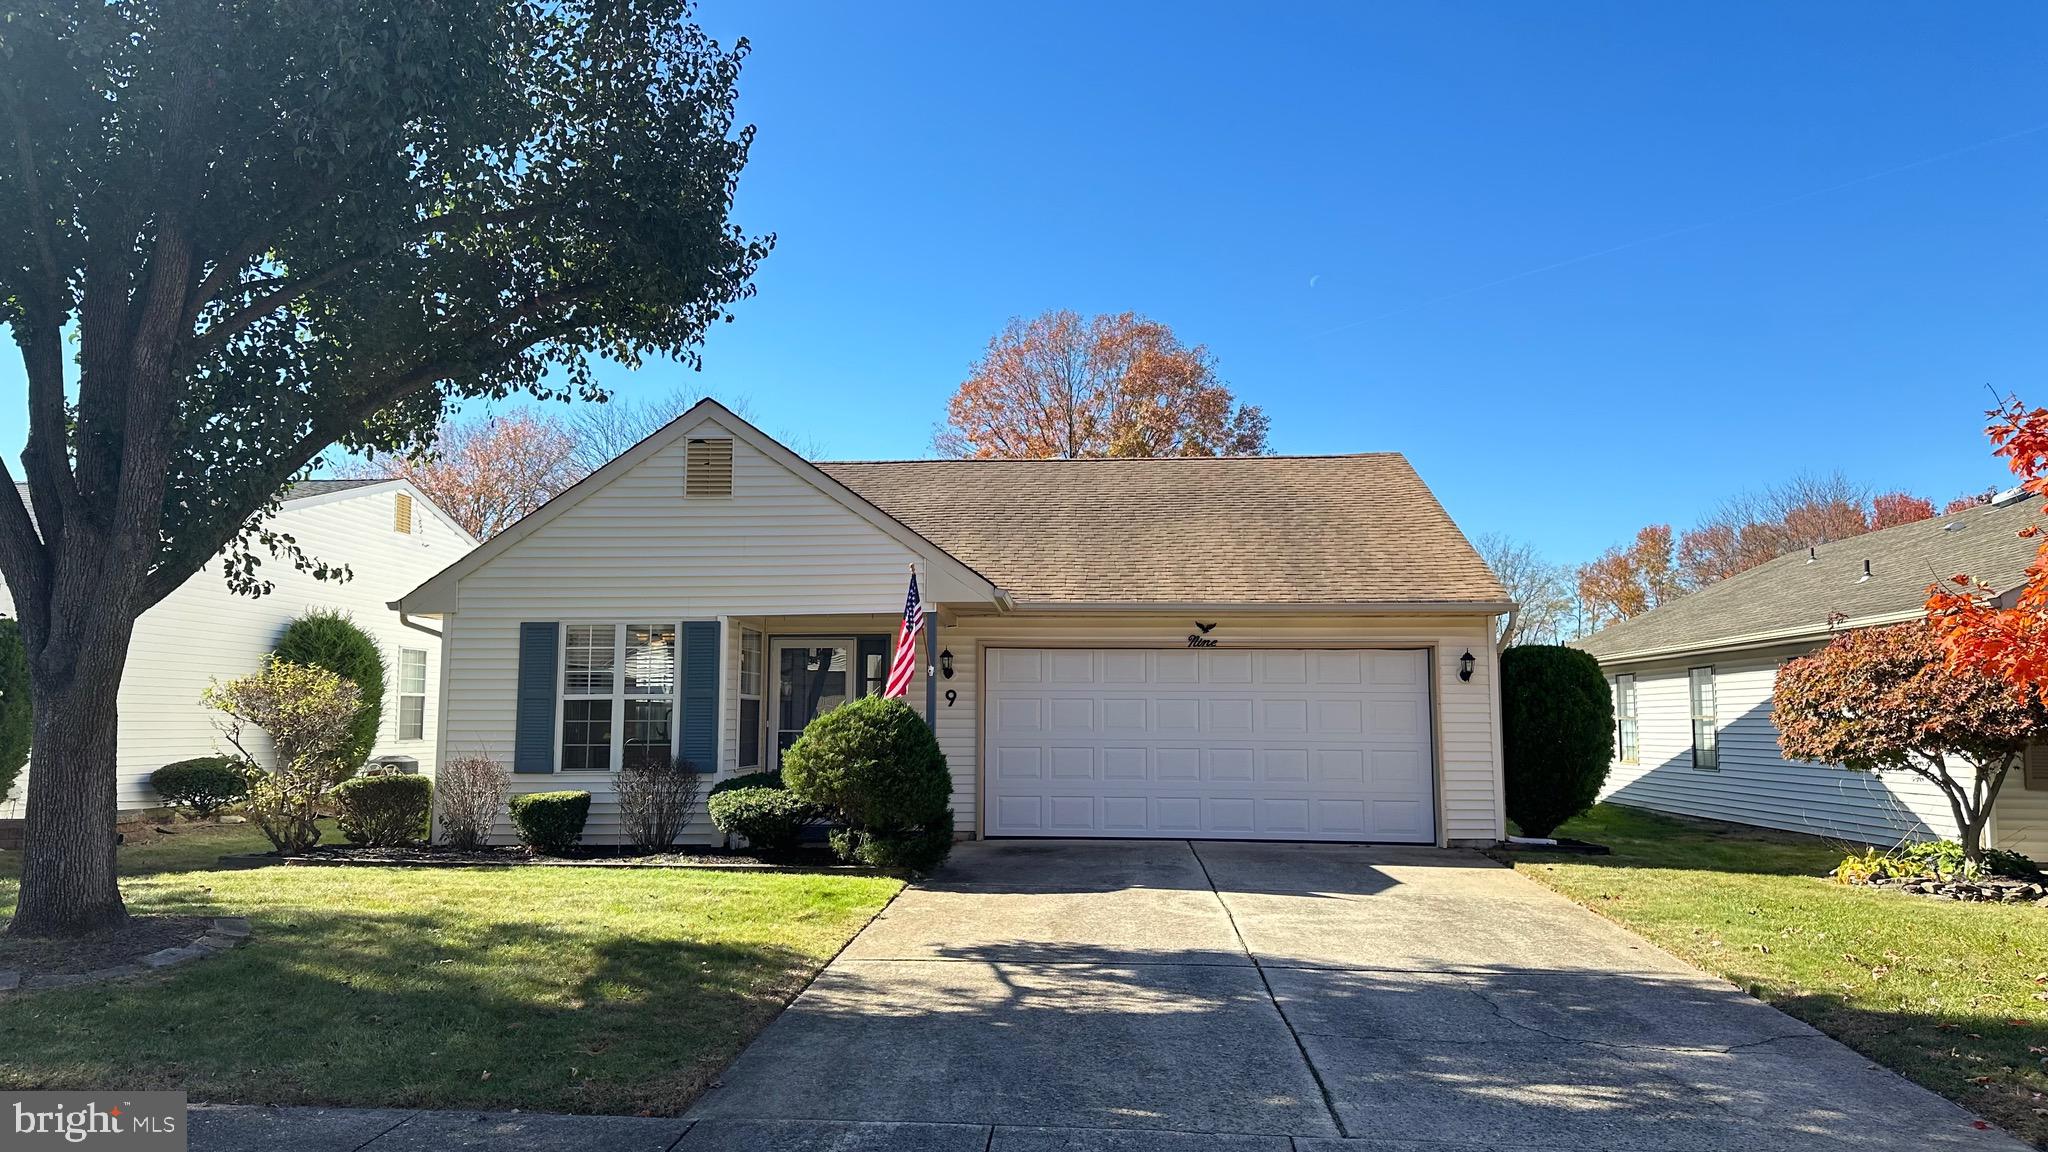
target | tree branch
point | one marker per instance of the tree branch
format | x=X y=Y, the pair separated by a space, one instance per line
x=291 y=289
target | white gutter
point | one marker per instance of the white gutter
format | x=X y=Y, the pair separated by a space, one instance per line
x=1267 y=608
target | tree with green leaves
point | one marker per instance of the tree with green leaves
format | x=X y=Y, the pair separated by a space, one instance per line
x=238 y=237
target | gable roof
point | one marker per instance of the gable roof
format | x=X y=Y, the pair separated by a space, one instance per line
x=307 y=489
x=1281 y=530
x=436 y=595
x=1791 y=599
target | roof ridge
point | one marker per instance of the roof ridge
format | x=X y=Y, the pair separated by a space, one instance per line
x=1120 y=459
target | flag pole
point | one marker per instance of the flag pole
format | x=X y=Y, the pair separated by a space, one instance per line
x=931 y=655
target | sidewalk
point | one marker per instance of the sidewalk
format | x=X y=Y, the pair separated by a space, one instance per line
x=248 y=1128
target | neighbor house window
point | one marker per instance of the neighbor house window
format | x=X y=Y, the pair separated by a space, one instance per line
x=618 y=694
x=1706 y=748
x=412 y=693
x=1626 y=748
x=752 y=661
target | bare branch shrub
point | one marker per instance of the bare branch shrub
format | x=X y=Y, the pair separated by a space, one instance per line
x=657 y=794
x=471 y=793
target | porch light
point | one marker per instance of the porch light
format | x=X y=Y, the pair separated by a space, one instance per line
x=1465 y=664
x=946 y=663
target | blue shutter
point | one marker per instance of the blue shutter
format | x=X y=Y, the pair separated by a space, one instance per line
x=700 y=695
x=533 y=733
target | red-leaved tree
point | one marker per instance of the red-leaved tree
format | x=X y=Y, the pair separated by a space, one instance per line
x=2006 y=638
x=1889 y=700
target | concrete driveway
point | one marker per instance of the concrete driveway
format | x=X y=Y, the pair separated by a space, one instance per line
x=1159 y=994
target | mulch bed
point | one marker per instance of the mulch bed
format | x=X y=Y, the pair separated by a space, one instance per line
x=507 y=856
x=140 y=936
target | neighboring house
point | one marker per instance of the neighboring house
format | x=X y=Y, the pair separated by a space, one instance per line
x=1693 y=680
x=1260 y=648
x=386 y=532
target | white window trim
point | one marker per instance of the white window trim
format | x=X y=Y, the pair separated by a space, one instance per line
x=1621 y=755
x=618 y=694
x=1693 y=717
x=759 y=696
x=399 y=720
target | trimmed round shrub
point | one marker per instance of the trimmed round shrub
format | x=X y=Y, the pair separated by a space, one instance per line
x=1557 y=734
x=768 y=779
x=202 y=785
x=917 y=850
x=331 y=640
x=384 y=811
x=874 y=764
x=772 y=819
x=550 y=822
x=16 y=720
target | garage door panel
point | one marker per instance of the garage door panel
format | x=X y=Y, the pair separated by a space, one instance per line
x=1228 y=765
x=1252 y=743
x=1124 y=764
x=1283 y=667
x=1228 y=716
x=1072 y=714
x=1226 y=667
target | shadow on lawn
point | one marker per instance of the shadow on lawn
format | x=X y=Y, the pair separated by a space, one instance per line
x=342 y=1007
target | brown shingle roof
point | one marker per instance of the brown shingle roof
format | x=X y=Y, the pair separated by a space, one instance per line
x=1791 y=596
x=1233 y=530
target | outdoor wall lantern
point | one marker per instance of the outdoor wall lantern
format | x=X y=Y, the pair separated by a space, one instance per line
x=946 y=663
x=1465 y=666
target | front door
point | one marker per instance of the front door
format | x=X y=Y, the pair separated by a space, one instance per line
x=813 y=675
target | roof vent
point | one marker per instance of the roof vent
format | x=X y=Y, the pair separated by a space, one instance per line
x=1866 y=572
x=707 y=470
x=1813 y=555
x=2007 y=497
x=1952 y=526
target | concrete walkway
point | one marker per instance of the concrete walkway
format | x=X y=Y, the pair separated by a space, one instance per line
x=1136 y=996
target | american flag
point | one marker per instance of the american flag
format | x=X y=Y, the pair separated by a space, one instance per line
x=904 y=664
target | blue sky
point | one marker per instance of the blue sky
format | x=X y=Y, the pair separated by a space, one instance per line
x=1758 y=238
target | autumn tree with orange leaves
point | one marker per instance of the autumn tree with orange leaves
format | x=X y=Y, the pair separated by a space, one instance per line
x=1745 y=531
x=1122 y=385
x=489 y=473
x=2007 y=640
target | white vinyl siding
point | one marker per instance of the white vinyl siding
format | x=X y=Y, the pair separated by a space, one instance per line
x=203 y=632
x=1754 y=783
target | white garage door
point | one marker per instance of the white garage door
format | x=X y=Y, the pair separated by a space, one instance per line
x=1227 y=743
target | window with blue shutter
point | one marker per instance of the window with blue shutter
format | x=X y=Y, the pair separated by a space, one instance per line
x=700 y=695
x=533 y=732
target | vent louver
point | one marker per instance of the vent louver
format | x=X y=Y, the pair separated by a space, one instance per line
x=401 y=513
x=707 y=471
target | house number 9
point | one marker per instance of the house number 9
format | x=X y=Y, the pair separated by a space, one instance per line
x=952 y=696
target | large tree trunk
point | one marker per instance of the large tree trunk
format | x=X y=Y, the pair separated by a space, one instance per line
x=67 y=875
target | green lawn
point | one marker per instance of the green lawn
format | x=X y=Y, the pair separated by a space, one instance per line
x=1952 y=995
x=552 y=989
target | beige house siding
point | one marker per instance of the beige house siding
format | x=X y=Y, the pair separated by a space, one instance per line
x=202 y=631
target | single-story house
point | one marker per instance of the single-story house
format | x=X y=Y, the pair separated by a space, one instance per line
x=388 y=534
x=1693 y=679
x=1289 y=648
